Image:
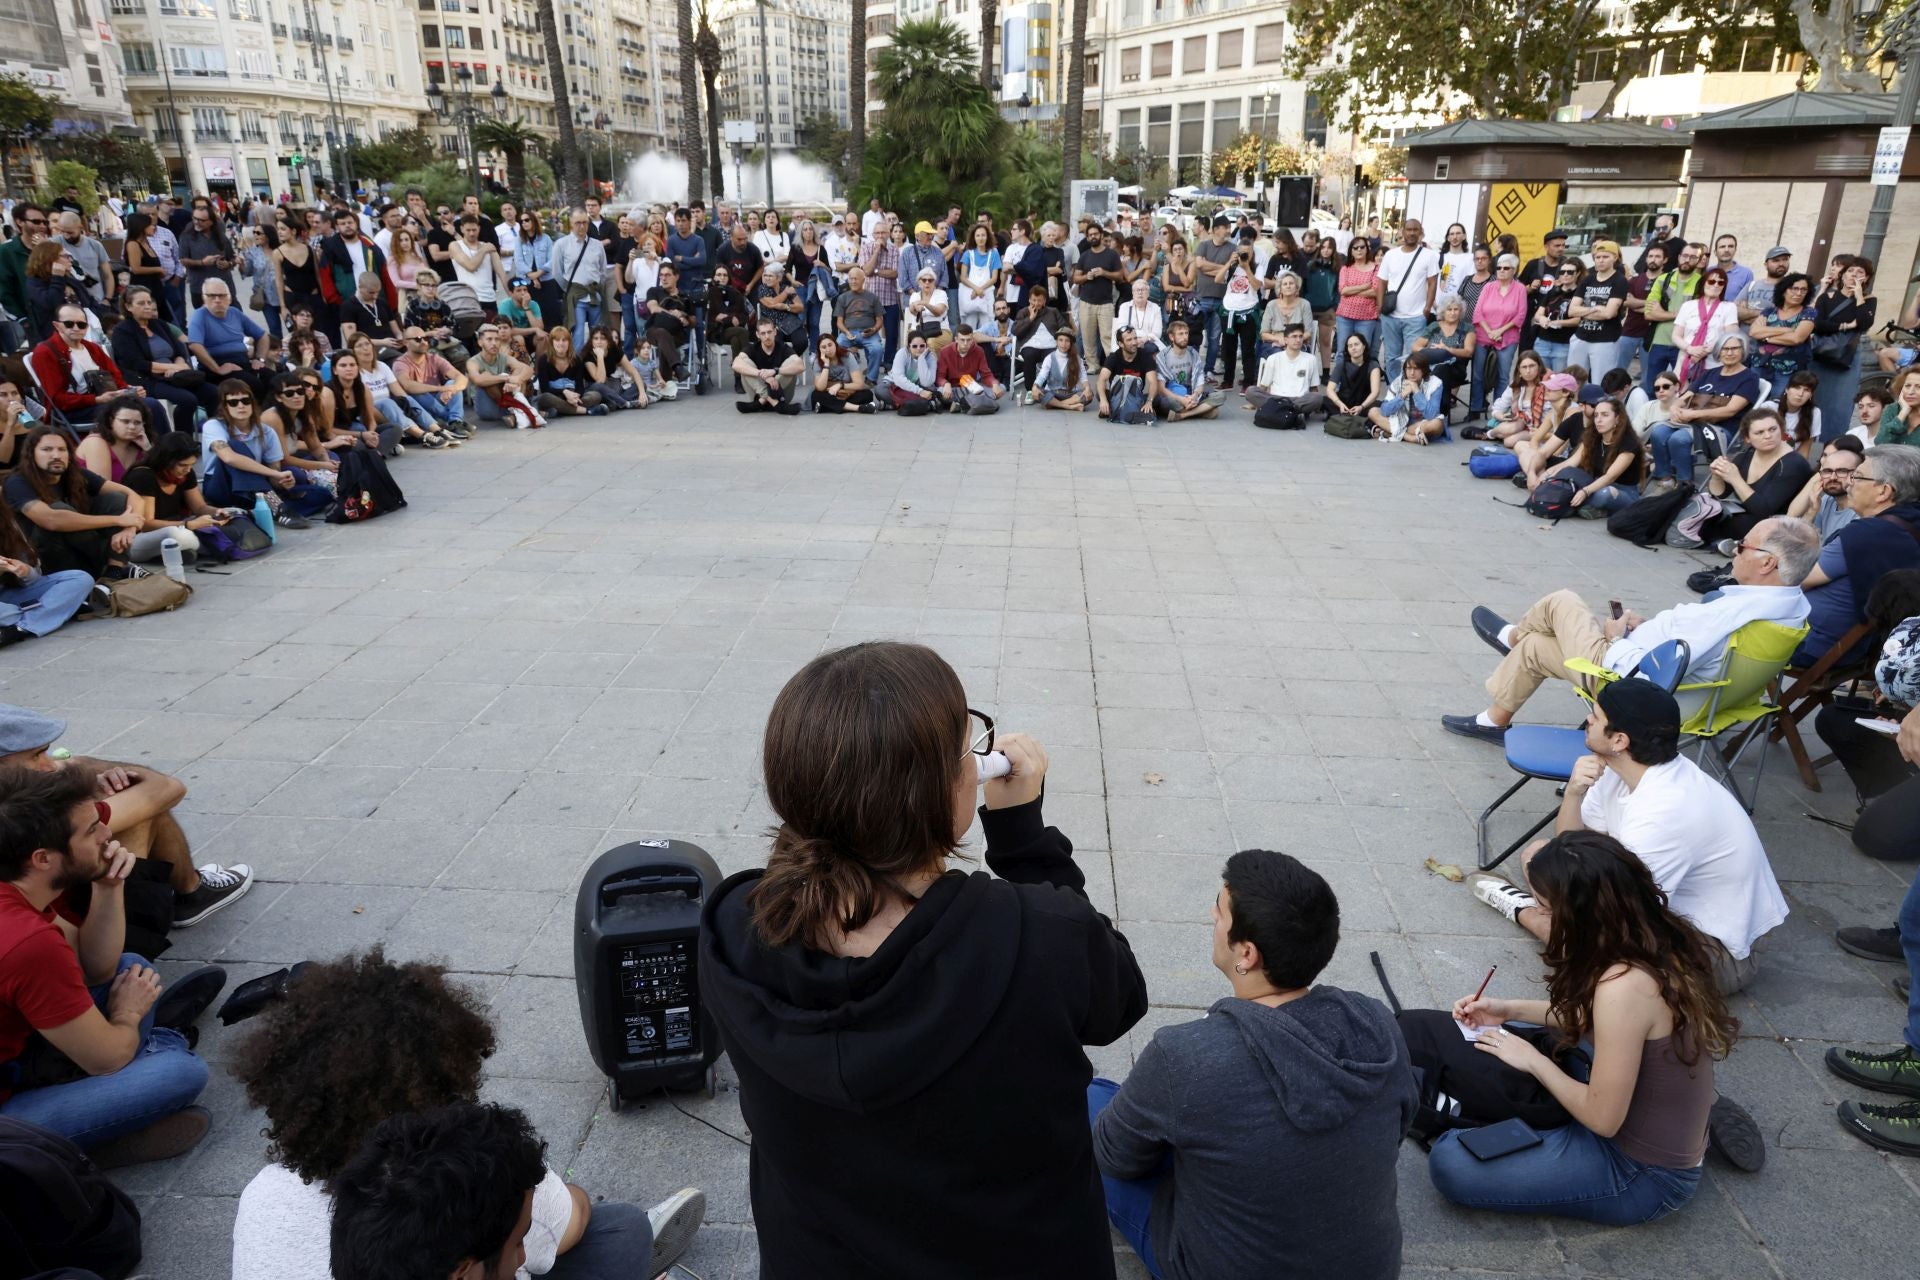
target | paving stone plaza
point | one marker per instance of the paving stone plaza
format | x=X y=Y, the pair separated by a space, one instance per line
x=421 y=731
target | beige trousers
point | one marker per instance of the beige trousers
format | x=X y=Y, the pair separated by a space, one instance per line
x=1559 y=627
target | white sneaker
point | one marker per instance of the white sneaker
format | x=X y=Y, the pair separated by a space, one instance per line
x=1500 y=894
x=674 y=1222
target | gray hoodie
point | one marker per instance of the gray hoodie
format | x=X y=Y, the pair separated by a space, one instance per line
x=1283 y=1127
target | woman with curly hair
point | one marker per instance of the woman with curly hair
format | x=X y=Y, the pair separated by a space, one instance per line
x=1631 y=992
x=359 y=1039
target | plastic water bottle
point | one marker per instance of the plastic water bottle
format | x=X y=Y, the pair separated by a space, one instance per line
x=263 y=516
x=171 y=559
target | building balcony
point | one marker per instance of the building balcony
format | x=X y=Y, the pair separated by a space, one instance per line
x=280 y=29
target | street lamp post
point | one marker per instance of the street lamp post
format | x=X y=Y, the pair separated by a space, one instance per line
x=767 y=81
x=1901 y=38
x=1266 y=113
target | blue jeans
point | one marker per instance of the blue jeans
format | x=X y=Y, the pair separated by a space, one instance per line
x=1625 y=350
x=1396 y=340
x=586 y=314
x=875 y=347
x=163 y=1077
x=1672 y=450
x=40 y=605
x=1573 y=1173
x=1552 y=354
x=454 y=411
x=629 y=324
x=617 y=1244
x=1343 y=328
x=890 y=328
x=1614 y=497
x=1493 y=372
x=1659 y=359
x=1129 y=1200
x=1205 y=312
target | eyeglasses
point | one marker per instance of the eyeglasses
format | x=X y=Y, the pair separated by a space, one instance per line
x=1861 y=478
x=1749 y=546
x=234 y=402
x=72 y=324
x=979 y=732
x=293 y=391
x=1836 y=471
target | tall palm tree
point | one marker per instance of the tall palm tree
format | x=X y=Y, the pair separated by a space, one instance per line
x=510 y=138
x=857 y=90
x=706 y=47
x=1076 y=105
x=989 y=28
x=573 y=174
x=691 y=149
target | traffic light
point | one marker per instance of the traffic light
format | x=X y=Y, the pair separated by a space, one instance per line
x=298 y=160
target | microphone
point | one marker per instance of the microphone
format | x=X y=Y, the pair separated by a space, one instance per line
x=994 y=764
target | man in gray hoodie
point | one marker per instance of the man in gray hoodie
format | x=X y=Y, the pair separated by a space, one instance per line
x=1261 y=1140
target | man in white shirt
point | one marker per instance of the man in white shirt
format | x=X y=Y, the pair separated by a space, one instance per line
x=507 y=231
x=1768 y=567
x=872 y=220
x=1411 y=273
x=1688 y=830
x=843 y=248
x=1290 y=374
x=392 y=218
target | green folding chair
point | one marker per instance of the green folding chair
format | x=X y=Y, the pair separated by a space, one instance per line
x=1735 y=704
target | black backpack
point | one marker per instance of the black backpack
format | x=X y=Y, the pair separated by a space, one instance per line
x=1645 y=522
x=364 y=487
x=1552 y=499
x=57 y=1210
x=1280 y=414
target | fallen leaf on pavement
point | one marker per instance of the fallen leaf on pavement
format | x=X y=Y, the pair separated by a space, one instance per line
x=1445 y=870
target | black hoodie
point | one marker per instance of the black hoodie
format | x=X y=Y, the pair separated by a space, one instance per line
x=921 y=1112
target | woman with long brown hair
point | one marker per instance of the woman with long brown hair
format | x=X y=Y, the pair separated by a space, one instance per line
x=1631 y=978
x=1607 y=464
x=908 y=1035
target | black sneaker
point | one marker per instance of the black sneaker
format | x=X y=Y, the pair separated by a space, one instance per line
x=1871 y=944
x=1896 y=1072
x=165 y=1138
x=288 y=520
x=219 y=887
x=13 y=635
x=187 y=997
x=1732 y=1132
x=1893 y=1128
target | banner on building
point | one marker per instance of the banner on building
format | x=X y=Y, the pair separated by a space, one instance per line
x=1523 y=210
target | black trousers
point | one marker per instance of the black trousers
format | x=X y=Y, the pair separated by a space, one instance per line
x=1888 y=827
x=87 y=550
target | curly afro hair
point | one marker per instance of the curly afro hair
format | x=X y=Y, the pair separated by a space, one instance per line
x=356 y=1040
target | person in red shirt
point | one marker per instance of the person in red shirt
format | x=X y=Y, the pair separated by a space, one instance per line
x=961 y=376
x=83 y=1051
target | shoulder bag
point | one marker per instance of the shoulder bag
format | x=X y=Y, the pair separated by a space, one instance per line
x=152 y=593
x=1391 y=302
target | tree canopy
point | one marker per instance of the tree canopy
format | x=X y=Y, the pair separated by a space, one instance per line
x=393 y=155
x=117 y=158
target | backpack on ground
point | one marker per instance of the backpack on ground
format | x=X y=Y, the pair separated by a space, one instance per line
x=1552 y=499
x=1686 y=531
x=58 y=1210
x=1491 y=462
x=364 y=487
x=1347 y=426
x=1280 y=414
x=1645 y=522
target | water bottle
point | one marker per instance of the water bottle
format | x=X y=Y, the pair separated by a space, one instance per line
x=263 y=516
x=171 y=559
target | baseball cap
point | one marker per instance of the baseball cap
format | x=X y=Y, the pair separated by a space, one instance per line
x=1558 y=233
x=1606 y=246
x=1639 y=708
x=1561 y=382
x=24 y=730
x=923 y=226
x=1222 y=220
x=1778 y=251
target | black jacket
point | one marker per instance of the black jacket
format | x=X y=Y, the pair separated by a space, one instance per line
x=130 y=351
x=922 y=1112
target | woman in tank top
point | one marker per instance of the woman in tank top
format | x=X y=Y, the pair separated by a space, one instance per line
x=293 y=263
x=1631 y=991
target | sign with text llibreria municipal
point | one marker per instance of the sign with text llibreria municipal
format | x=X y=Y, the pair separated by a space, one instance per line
x=1889 y=154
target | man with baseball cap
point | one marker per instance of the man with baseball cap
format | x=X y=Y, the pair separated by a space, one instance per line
x=1689 y=830
x=139 y=803
x=89 y=1047
x=1758 y=296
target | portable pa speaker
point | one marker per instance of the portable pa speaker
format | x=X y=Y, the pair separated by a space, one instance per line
x=1296 y=201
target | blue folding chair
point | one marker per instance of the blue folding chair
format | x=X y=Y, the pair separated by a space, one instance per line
x=1548 y=752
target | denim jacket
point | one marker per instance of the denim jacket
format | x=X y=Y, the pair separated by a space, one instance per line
x=1421 y=406
x=534 y=255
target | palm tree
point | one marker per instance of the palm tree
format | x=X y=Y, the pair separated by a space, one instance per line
x=1076 y=105
x=510 y=138
x=706 y=47
x=932 y=89
x=573 y=168
x=857 y=90
x=989 y=28
x=691 y=149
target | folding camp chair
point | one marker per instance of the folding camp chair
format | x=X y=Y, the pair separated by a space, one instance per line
x=1892 y=601
x=1548 y=752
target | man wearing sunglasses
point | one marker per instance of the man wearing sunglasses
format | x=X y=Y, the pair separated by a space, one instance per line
x=30 y=227
x=89 y=1047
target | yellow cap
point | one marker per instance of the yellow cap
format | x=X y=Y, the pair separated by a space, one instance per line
x=1606 y=246
x=923 y=225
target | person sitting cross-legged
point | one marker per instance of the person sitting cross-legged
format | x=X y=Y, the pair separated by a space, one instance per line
x=33 y=603
x=88 y=1047
x=1262 y=1139
x=768 y=368
x=76 y=519
x=432 y=385
x=1183 y=389
x=1129 y=382
x=327 y=1085
x=840 y=380
x=1291 y=373
x=1415 y=407
x=1768 y=567
x=962 y=377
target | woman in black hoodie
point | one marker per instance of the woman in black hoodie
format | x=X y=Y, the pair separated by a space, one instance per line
x=908 y=1037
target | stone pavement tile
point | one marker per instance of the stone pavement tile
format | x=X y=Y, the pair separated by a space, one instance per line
x=334 y=790
x=1239 y=732
x=187 y=1237
x=1314 y=696
x=451 y=795
x=1141 y=772
x=1709 y=1237
x=561 y=1114
x=1429 y=904
x=1278 y=778
x=1340 y=736
x=1314 y=833
x=407 y=851
x=665 y=670
x=1789 y=1090
x=278 y=849
x=174 y=736
x=288 y=738
x=550 y=953
x=1825 y=1213
x=1414 y=835
x=231 y=786
x=462 y=664
x=697 y=807
x=542 y=704
x=468 y=930
x=1821 y=997
x=571 y=799
x=1455 y=965
x=507 y=855
x=709 y=755
x=1241 y=693
x=1140 y=689
x=1027 y=684
x=316 y=921
x=1435 y=1233
x=1083 y=819
x=338 y=696
x=1137 y=728
x=496 y=746
x=395 y=741
x=233 y=1150
x=209 y=939
x=537 y=1021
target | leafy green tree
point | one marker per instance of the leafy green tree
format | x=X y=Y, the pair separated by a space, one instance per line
x=393 y=154
x=935 y=100
x=26 y=115
x=706 y=47
x=512 y=139
x=119 y=160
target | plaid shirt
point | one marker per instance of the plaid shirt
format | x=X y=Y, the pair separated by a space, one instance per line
x=884 y=257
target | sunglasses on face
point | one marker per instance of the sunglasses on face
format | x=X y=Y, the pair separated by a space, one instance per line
x=73 y=324
x=287 y=393
x=234 y=402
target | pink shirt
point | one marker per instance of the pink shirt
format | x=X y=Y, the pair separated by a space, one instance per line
x=1490 y=309
x=1358 y=306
